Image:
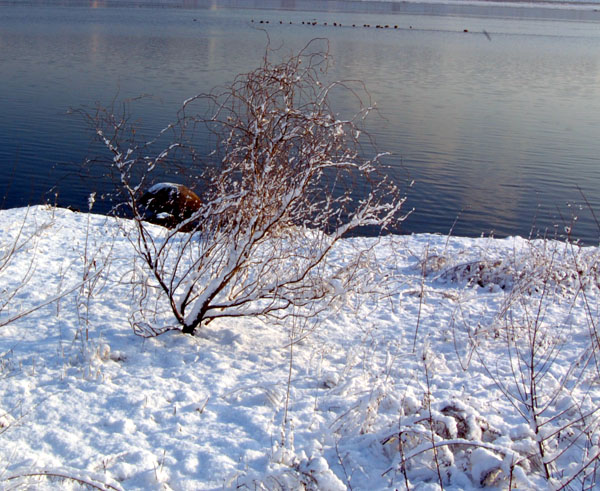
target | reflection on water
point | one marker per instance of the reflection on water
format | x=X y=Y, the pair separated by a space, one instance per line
x=498 y=129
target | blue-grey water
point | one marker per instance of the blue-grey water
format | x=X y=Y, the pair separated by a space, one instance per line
x=498 y=127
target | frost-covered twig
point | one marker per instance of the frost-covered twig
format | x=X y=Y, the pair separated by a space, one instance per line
x=8 y=252
x=554 y=403
x=65 y=475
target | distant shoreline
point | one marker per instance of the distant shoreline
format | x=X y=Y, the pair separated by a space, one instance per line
x=317 y=5
x=551 y=4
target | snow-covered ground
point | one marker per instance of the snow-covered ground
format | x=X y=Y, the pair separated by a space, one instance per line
x=439 y=351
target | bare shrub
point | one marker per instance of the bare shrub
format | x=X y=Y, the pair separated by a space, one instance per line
x=563 y=267
x=548 y=388
x=538 y=343
x=277 y=197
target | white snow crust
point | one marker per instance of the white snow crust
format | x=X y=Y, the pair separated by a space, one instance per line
x=353 y=402
x=163 y=185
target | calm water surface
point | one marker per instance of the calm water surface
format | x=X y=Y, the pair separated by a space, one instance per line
x=498 y=131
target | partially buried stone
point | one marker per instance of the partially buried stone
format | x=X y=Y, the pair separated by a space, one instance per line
x=169 y=204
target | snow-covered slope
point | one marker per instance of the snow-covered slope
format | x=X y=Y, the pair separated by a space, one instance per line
x=439 y=350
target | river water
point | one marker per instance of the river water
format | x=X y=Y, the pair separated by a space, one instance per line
x=493 y=110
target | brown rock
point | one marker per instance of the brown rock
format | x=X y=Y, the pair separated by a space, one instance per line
x=169 y=204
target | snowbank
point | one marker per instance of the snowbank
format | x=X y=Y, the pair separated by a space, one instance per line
x=424 y=376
